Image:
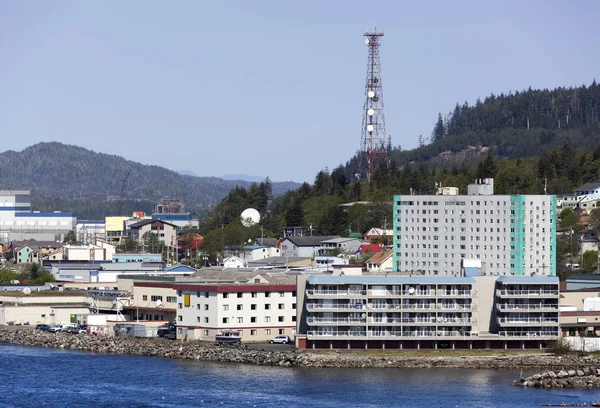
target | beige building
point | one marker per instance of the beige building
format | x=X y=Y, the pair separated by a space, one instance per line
x=34 y=309
x=153 y=298
x=345 y=312
x=580 y=312
x=258 y=305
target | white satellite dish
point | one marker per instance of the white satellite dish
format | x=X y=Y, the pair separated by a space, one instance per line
x=411 y=290
x=158 y=302
x=27 y=291
x=250 y=217
x=370 y=112
x=370 y=128
x=367 y=41
x=371 y=94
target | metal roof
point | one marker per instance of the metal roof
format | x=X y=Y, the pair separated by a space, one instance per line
x=528 y=279
x=388 y=279
x=588 y=186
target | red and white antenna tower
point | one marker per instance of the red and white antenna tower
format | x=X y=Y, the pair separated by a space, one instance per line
x=373 y=152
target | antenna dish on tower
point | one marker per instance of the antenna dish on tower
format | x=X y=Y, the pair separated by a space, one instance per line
x=370 y=112
x=371 y=94
x=250 y=217
x=367 y=41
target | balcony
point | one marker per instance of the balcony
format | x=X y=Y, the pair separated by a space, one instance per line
x=384 y=306
x=419 y=307
x=333 y=321
x=456 y=307
x=331 y=294
x=390 y=335
x=527 y=322
x=527 y=293
x=528 y=335
x=529 y=307
x=324 y=307
x=385 y=294
x=420 y=293
x=455 y=294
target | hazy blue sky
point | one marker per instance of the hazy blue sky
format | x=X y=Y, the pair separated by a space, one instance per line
x=268 y=88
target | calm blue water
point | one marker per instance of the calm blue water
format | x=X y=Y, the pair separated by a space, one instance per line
x=36 y=377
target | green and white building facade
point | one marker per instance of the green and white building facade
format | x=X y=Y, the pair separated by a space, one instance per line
x=509 y=234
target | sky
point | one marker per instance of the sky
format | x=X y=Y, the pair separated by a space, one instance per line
x=268 y=88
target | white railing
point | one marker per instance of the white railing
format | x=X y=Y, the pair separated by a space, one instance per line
x=330 y=320
x=456 y=293
x=388 y=334
x=519 y=320
x=533 y=293
x=527 y=334
x=325 y=306
x=527 y=307
x=336 y=334
x=320 y=292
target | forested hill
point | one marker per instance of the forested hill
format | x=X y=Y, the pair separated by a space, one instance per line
x=77 y=179
x=513 y=125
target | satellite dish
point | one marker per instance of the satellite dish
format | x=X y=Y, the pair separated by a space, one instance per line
x=371 y=94
x=158 y=302
x=250 y=217
x=411 y=290
x=370 y=112
x=375 y=79
x=27 y=291
x=367 y=41
x=370 y=128
x=375 y=98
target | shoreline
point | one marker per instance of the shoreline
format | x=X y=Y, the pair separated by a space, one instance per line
x=294 y=358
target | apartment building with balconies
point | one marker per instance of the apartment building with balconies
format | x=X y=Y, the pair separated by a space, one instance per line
x=348 y=312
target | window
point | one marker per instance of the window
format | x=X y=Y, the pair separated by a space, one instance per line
x=198 y=319
x=225 y=295
x=253 y=319
x=240 y=307
x=225 y=320
x=145 y=297
x=206 y=320
x=280 y=319
x=281 y=331
x=281 y=294
x=197 y=294
x=254 y=294
x=206 y=332
x=293 y=305
x=206 y=307
x=180 y=318
x=267 y=319
x=281 y=306
x=240 y=294
x=253 y=307
x=179 y=305
x=253 y=332
x=267 y=294
x=198 y=306
x=293 y=318
x=171 y=299
x=267 y=306
x=205 y=294
x=268 y=332
x=225 y=308
x=240 y=320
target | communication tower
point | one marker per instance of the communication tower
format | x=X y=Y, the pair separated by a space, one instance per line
x=373 y=152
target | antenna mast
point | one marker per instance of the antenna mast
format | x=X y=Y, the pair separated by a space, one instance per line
x=373 y=152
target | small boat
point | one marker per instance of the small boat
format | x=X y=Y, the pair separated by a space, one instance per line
x=228 y=337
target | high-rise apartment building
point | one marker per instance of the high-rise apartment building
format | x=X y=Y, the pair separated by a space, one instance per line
x=508 y=234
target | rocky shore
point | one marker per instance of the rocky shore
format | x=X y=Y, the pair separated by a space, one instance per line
x=584 y=377
x=304 y=358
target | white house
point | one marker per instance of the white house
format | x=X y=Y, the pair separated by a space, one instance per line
x=233 y=262
x=340 y=245
x=381 y=261
x=584 y=197
x=303 y=246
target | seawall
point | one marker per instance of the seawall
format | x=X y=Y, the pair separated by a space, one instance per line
x=304 y=358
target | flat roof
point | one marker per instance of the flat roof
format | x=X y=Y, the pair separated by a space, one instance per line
x=528 y=279
x=388 y=279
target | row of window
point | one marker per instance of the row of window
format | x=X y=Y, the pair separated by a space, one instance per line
x=239 y=295
x=154 y=298
x=226 y=320
x=454 y=202
x=267 y=306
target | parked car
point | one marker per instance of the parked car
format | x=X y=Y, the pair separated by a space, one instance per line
x=280 y=339
x=54 y=329
x=76 y=330
x=42 y=327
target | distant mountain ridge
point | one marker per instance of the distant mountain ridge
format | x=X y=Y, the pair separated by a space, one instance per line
x=54 y=170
